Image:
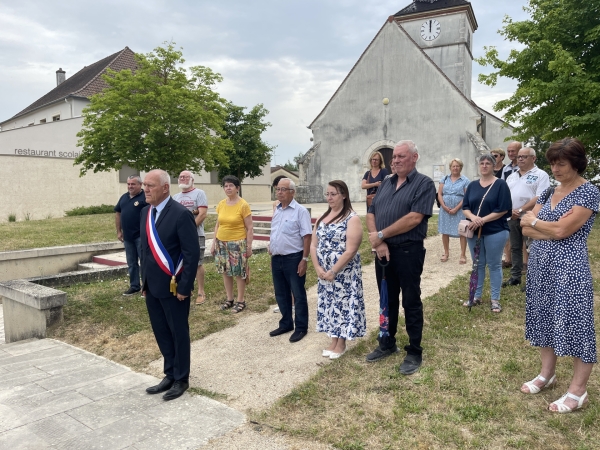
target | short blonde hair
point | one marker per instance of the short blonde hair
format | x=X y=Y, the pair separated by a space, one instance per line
x=457 y=161
x=499 y=151
x=381 y=163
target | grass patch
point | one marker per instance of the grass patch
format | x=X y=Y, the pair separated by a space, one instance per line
x=65 y=231
x=207 y=393
x=466 y=395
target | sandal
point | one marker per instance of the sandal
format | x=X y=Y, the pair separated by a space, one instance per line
x=562 y=408
x=238 y=307
x=444 y=257
x=462 y=260
x=476 y=301
x=226 y=304
x=534 y=388
x=200 y=299
x=496 y=308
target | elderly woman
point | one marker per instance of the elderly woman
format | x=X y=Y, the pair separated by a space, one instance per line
x=487 y=204
x=334 y=252
x=232 y=245
x=451 y=192
x=560 y=297
x=373 y=178
x=498 y=154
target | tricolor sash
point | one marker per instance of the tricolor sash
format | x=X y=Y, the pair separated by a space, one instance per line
x=161 y=256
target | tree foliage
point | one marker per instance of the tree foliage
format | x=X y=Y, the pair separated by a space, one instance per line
x=293 y=166
x=557 y=70
x=250 y=153
x=158 y=116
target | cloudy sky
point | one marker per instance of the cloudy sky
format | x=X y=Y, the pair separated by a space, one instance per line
x=290 y=55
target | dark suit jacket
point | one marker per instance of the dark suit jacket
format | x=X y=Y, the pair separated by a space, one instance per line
x=178 y=234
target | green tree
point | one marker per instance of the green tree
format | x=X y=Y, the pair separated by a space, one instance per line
x=293 y=166
x=250 y=153
x=158 y=116
x=557 y=70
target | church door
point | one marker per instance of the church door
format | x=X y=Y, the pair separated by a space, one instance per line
x=387 y=156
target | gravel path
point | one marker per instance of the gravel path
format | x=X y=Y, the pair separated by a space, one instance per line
x=254 y=369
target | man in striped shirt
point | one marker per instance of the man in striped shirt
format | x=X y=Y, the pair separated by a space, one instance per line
x=397 y=224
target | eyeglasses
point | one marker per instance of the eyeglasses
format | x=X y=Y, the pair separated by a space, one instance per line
x=184 y=177
x=375 y=159
x=496 y=156
x=331 y=194
x=523 y=156
x=282 y=189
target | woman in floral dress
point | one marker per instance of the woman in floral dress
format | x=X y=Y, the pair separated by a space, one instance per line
x=334 y=250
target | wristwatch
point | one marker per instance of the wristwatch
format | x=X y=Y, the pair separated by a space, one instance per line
x=380 y=234
x=533 y=223
x=520 y=210
x=305 y=258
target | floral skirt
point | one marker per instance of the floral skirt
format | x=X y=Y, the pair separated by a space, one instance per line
x=230 y=258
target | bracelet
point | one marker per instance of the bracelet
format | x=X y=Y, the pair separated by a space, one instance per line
x=334 y=272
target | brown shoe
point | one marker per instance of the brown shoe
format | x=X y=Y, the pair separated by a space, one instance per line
x=200 y=299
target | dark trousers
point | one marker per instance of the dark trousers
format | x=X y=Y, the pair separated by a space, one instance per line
x=516 y=247
x=133 y=254
x=169 y=320
x=286 y=282
x=404 y=274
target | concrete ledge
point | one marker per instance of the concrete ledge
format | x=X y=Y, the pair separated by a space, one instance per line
x=80 y=276
x=30 y=309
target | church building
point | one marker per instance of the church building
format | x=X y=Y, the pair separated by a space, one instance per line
x=412 y=82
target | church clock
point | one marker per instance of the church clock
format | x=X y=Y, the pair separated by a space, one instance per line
x=430 y=30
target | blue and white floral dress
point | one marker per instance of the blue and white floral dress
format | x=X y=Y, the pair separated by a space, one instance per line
x=559 y=311
x=340 y=304
x=453 y=193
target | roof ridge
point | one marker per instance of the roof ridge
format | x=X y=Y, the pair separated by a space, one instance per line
x=118 y=55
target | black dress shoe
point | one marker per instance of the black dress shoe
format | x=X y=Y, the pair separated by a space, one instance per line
x=163 y=386
x=278 y=331
x=297 y=336
x=410 y=364
x=179 y=387
x=511 y=282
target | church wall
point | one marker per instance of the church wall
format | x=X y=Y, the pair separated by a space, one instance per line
x=496 y=133
x=423 y=107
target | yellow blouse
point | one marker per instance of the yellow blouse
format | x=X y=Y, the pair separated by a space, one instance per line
x=231 y=220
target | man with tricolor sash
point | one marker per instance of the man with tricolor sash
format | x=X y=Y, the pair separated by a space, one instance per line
x=170 y=259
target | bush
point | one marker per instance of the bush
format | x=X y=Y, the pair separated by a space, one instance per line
x=89 y=210
x=12 y=217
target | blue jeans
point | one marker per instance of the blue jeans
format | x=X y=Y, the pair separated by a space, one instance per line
x=286 y=282
x=490 y=255
x=133 y=253
x=403 y=274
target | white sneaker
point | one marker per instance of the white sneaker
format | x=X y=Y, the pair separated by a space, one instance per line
x=276 y=309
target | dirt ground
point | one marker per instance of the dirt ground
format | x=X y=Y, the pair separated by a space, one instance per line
x=254 y=370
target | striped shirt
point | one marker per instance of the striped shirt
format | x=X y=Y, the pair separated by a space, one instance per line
x=416 y=194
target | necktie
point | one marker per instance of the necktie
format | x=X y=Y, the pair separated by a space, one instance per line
x=154 y=214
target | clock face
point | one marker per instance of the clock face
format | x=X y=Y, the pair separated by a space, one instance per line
x=430 y=30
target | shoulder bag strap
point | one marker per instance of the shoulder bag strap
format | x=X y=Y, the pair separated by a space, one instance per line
x=484 y=196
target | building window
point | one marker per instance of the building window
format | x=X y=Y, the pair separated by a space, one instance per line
x=56 y=118
x=42 y=120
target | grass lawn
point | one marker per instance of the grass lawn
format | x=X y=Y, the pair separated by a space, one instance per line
x=64 y=231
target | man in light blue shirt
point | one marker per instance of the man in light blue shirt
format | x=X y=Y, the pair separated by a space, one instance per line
x=289 y=248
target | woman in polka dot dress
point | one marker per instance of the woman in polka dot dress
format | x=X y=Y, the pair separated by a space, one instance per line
x=560 y=298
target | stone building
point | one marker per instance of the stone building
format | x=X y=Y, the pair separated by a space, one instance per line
x=39 y=143
x=412 y=82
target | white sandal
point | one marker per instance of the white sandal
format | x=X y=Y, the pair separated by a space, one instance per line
x=562 y=408
x=534 y=389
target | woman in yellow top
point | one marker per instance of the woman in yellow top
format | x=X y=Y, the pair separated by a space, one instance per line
x=232 y=245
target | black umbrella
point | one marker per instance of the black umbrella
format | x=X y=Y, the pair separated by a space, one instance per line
x=384 y=312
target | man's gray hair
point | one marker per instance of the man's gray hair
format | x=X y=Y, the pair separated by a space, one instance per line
x=190 y=173
x=163 y=177
x=531 y=150
x=292 y=184
x=410 y=144
x=136 y=178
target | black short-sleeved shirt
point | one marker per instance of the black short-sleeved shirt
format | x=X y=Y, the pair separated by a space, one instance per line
x=371 y=179
x=131 y=209
x=497 y=200
x=416 y=194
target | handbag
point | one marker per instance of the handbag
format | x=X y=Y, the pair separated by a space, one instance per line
x=370 y=197
x=463 y=225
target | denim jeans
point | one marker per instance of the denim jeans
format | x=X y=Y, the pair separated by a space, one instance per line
x=286 y=282
x=404 y=274
x=133 y=253
x=490 y=255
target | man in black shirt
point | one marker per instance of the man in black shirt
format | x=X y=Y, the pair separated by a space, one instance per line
x=127 y=222
x=397 y=224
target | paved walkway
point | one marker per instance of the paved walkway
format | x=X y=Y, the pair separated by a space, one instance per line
x=53 y=395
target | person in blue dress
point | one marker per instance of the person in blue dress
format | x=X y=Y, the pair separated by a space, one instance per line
x=559 y=314
x=451 y=193
x=334 y=250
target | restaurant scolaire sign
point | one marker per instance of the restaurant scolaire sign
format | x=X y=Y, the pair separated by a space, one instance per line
x=45 y=153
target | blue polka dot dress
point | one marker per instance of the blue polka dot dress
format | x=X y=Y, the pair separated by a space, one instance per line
x=560 y=297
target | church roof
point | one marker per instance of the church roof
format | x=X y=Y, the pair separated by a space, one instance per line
x=420 y=6
x=85 y=83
